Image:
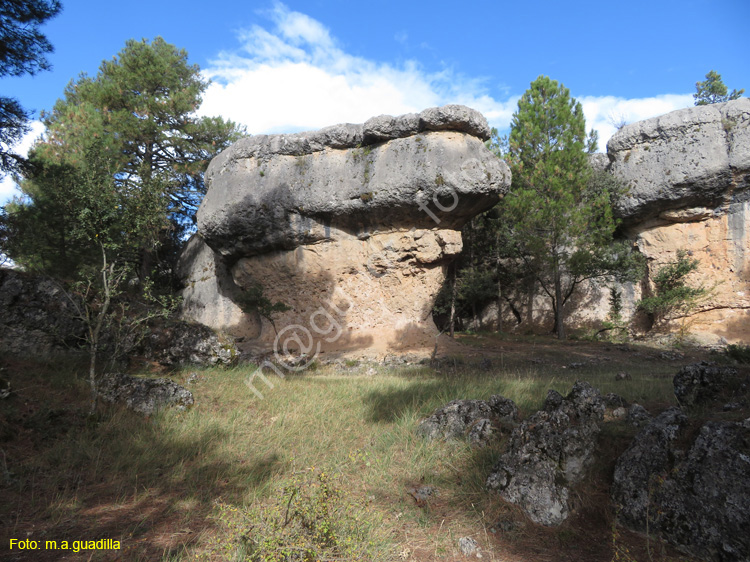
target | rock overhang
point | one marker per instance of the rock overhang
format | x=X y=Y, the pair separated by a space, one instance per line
x=277 y=192
x=694 y=157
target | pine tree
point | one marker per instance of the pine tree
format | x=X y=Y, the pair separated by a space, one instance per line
x=560 y=222
x=23 y=50
x=713 y=90
x=143 y=103
x=138 y=114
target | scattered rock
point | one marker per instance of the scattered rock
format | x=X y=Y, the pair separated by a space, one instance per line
x=701 y=383
x=422 y=493
x=613 y=400
x=638 y=415
x=623 y=377
x=468 y=546
x=671 y=355
x=550 y=452
x=177 y=343
x=696 y=495
x=619 y=413
x=470 y=419
x=732 y=406
x=141 y=395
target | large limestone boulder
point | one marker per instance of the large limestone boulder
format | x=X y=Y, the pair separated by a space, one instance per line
x=352 y=227
x=694 y=492
x=549 y=453
x=689 y=177
x=687 y=159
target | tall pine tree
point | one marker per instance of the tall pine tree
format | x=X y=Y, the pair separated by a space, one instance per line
x=559 y=223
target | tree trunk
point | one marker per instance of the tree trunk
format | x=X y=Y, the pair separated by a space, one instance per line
x=559 y=316
x=499 y=307
x=453 y=301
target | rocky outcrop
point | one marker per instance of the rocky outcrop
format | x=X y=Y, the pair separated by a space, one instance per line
x=688 y=174
x=685 y=165
x=36 y=316
x=694 y=494
x=701 y=383
x=474 y=420
x=145 y=396
x=549 y=453
x=351 y=227
x=177 y=343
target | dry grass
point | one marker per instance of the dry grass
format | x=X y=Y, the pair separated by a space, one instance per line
x=181 y=485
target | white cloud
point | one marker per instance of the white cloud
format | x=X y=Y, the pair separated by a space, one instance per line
x=605 y=112
x=295 y=77
x=8 y=187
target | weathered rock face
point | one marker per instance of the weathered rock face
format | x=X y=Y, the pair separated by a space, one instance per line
x=684 y=163
x=702 y=383
x=697 y=497
x=550 y=452
x=144 y=396
x=475 y=420
x=689 y=177
x=35 y=315
x=351 y=226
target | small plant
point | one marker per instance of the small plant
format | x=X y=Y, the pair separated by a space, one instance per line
x=439 y=180
x=366 y=197
x=672 y=294
x=252 y=300
x=738 y=352
x=308 y=520
x=615 y=327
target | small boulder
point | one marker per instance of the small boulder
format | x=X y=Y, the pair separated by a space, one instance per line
x=471 y=419
x=696 y=495
x=144 y=396
x=468 y=546
x=550 y=452
x=701 y=383
x=638 y=416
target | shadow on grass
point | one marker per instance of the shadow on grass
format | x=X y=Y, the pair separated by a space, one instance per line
x=148 y=484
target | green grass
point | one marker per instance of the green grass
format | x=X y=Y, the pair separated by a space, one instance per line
x=214 y=468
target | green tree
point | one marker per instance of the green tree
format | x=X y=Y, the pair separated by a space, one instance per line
x=713 y=90
x=559 y=212
x=143 y=102
x=672 y=293
x=23 y=50
x=139 y=114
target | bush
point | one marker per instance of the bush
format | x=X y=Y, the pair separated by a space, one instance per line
x=308 y=520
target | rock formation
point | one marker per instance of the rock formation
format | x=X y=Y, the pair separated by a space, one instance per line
x=549 y=453
x=36 y=316
x=688 y=174
x=145 y=396
x=475 y=420
x=693 y=492
x=689 y=178
x=351 y=227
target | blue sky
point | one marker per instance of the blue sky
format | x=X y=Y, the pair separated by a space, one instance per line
x=284 y=67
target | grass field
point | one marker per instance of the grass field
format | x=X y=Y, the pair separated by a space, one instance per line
x=325 y=462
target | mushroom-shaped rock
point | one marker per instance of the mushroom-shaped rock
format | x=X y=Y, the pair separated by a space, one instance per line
x=351 y=227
